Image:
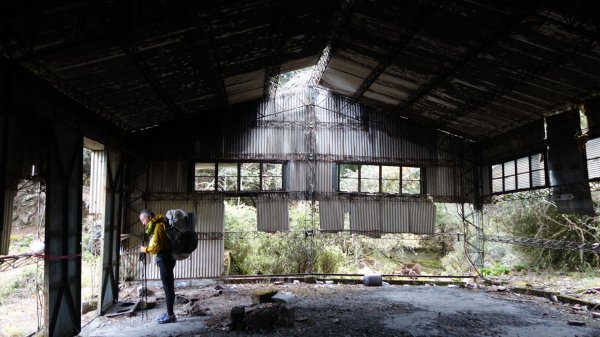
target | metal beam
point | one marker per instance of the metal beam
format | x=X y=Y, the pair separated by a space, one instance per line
x=277 y=38
x=588 y=41
x=415 y=25
x=341 y=18
x=135 y=56
x=503 y=31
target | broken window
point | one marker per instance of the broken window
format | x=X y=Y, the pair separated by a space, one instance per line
x=204 y=177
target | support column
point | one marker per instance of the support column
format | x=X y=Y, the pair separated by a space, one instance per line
x=4 y=224
x=113 y=222
x=63 y=232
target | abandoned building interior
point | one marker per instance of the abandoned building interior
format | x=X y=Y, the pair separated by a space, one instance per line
x=179 y=101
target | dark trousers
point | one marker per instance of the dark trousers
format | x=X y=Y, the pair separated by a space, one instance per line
x=166 y=264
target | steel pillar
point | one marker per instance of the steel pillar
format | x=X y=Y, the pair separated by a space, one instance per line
x=113 y=223
x=62 y=282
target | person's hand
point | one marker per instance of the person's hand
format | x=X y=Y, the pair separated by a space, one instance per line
x=142 y=249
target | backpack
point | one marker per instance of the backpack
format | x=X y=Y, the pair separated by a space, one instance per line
x=181 y=233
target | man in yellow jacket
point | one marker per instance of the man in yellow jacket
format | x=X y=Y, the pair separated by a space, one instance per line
x=155 y=225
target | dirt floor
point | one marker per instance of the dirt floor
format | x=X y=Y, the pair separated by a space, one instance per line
x=357 y=310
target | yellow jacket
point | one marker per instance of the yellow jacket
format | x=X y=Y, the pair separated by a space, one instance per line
x=159 y=242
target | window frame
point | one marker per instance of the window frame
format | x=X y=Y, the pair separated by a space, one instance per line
x=380 y=179
x=238 y=177
x=515 y=174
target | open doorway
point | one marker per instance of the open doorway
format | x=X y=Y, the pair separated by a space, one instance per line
x=94 y=198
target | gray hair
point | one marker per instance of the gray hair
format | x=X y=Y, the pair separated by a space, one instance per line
x=146 y=212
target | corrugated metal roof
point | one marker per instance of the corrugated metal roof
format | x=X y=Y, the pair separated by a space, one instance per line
x=475 y=68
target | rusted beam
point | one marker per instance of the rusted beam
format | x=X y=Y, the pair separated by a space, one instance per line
x=419 y=21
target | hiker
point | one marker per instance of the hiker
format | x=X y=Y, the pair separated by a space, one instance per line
x=155 y=226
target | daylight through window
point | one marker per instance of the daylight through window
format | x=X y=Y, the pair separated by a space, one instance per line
x=379 y=179
x=238 y=177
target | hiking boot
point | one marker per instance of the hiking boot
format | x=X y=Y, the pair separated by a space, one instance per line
x=167 y=319
x=161 y=316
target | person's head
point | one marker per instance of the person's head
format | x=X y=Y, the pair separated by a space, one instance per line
x=145 y=216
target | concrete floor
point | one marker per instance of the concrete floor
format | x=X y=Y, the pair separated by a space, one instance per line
x=390 y=311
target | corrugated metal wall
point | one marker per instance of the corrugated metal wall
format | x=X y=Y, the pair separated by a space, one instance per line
x=272 y=214
x=208 y=259
x=9 y=198
x=97 y=182
x=168 y=176
x=331 y=213
x=343 y=132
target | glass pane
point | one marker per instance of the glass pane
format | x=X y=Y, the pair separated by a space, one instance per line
x=538 y=178
x=536 y=162
x=348 y=178
x=497 y=171
x=369 y=171
x=522 y=165
x=523 y=180
x=510 y=183
x=390 y=179
x=272 y=170
x=369 y=178
x=411 y=173
x=592 y=148
x=497 y=185
x=205 y=170
x=390 y=185
x=509 y=168
x=249 y=177
x=227 y=174
x=205 y=183
x=411 y=186
x=272 y=183
x=390 y=172
x=369 y=185
x=204 y=177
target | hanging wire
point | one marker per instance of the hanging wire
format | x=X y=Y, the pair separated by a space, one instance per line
x=546 y=244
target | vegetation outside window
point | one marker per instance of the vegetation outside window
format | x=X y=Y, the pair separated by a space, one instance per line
x=204 y=177
x=272 y=177
x=227 y=174
x=390 y=179
x=348 y=177
x=380 y=179
x=411 y=180
x=250 y=177
x=369 y=178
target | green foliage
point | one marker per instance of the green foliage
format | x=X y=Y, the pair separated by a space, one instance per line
x=21 y=244
x=539 y=218
x=329 y=260
x=494 y=270
x=20 y=286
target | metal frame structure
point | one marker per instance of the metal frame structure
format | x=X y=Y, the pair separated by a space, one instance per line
x=63 y=233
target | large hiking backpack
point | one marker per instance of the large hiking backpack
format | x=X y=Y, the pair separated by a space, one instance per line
x=181 y=232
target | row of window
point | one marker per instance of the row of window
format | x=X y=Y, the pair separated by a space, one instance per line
x=238 y=177
x=379 y=179
x=529 y=172
x=253 y=177
x=518 y=174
